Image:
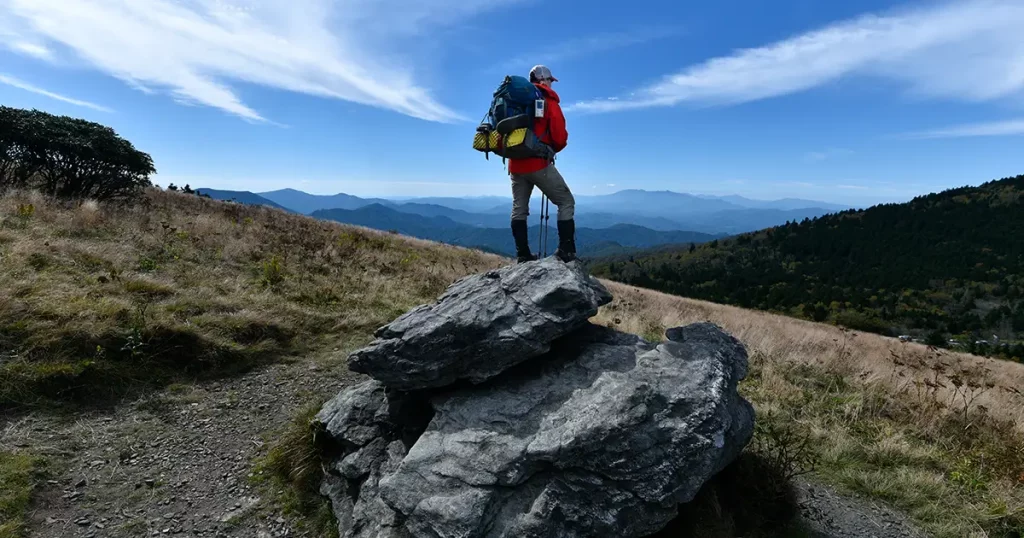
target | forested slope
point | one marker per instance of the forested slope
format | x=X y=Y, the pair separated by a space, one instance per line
x=942 y=266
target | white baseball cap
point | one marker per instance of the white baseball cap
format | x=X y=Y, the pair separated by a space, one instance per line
x=541 y=72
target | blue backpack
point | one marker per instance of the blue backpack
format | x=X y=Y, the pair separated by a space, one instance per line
x=507 y=129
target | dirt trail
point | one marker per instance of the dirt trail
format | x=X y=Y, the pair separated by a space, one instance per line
x=830 y=515
x=179 y=463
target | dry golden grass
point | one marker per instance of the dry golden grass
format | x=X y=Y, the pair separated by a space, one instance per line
x=937 y=434
x=96 y=299
x=868 y=357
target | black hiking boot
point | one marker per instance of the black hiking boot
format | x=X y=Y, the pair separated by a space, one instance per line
x=566 y=240
x=520 y=235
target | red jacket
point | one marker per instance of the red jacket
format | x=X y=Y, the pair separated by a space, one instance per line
x=550 y=129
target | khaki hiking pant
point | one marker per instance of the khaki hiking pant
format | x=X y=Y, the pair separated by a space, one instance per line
x=550 y=182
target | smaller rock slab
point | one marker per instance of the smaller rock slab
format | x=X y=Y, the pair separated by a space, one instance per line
x=482 y=325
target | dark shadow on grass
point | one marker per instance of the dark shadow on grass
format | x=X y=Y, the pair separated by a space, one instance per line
x=750 y=498
x=79 y=371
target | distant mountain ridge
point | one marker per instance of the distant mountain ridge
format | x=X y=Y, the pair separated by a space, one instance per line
x=785 y=204
x=303 y=202
x=621 y=237
x=657 y=210
x=242 y=197
x=654 y=218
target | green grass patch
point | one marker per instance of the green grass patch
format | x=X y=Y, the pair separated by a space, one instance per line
x=291 y=472
x=40 y=261
x=91 y=262
x=19 y=474
x=148 y=289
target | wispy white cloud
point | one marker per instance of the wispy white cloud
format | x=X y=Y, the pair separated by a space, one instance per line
x=969 y=50
x=815 y=156
x=803 y=184
x=994 y=128
x=852 y=187
x=32 y=49
x=195 y=50
x=11 y=81
x=818 y=156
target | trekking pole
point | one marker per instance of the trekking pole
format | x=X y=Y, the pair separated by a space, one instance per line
x=540 y=229
x=547 y=222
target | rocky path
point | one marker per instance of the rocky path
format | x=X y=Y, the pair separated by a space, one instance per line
x=828 y=514
x=179 y=463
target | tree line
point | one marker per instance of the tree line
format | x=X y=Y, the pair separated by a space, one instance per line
x=946 y=269
x=68 y=157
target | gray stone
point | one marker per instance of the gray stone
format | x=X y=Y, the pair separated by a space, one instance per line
x=482 y=325
x=356 y=416
x=603 y=436
x=372 y=428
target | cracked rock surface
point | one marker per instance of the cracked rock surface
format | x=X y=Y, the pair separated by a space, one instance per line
x=482 y=325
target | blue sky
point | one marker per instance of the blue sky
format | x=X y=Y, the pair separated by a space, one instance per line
x=849 y=102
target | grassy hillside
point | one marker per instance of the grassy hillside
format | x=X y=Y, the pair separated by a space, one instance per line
x=96 y=301
x=99 y=303
x=938 y=434
x=942 y=266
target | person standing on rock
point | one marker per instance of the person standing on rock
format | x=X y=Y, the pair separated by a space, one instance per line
x=535 y=171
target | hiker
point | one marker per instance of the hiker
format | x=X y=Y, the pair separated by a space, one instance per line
x=536 y=171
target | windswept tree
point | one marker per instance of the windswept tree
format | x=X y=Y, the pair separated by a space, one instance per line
x=68 y=157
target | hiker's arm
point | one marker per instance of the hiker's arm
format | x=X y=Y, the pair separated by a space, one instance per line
x=559 y=136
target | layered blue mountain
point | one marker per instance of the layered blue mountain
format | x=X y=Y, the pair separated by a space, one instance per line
x=657 y=210
x=785 y=204
x=589 y=241
x=627 y=220
x=303 y=202
x=242 y=197
x=471 y=204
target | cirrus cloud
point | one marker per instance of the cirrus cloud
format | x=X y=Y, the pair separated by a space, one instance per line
x=969 y=51
x=992 y=128
x=198 y=50
x=22 y=85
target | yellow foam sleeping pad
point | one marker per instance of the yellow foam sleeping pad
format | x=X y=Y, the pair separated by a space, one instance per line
x=515 y=138
x=485 y=141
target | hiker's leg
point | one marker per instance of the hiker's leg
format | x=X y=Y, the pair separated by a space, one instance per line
x=522 y=188
x=550 y=182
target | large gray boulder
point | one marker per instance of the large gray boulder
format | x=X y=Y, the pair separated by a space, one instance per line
x=482 y=325
x=603 y=436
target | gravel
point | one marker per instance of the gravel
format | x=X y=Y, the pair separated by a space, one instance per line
x=178 y=463
x=831 y=515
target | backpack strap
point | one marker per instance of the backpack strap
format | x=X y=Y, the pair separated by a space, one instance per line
x=547 y=130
